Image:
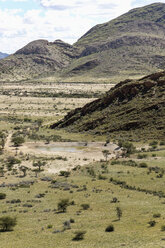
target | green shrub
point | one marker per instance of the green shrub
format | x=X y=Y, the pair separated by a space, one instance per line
x=109 y=228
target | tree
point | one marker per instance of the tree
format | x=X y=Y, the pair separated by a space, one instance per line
x=24 y=170
x=62 y=205
x=39 y=164
x=2 y=143
x=128 y=148
x=2 y=171
x=3 y=140
x=118 y=212
x=106 y=153
x=11 y=161
x=18 y=140
x=7 y=223
x=39 y=123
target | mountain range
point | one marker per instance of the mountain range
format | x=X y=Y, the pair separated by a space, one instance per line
x=131 y=45
x=3 y=55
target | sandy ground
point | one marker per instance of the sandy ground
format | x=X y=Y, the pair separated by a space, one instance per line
x=71 y=154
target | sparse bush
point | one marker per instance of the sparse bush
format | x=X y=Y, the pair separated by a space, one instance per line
x=91 y=172
x=153 y=143
x=72 y=220
x=101 y=177
x=18 y=140
x=114 y=200
x=65 y=173
x=156 y=215
x=85 y=206
x=152 y=223
x=113 y=162
x=143 y=165
x=49 y=226
x=141 y=156
x=2 y=196
x=109 y=228
x=7 y=223
x=79 y=235
x=106 y=153
x=163 y=228
x=11 y=161
x=62 y=205
x=67 y=225
x=118 y=212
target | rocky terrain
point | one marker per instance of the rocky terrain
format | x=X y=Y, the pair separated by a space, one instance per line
x=132 y=109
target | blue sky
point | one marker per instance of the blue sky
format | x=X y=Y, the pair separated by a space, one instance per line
x=22 y=21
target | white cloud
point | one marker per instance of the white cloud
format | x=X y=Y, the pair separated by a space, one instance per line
x=57 y=19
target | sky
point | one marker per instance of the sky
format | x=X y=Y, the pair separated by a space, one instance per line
x=22 y=21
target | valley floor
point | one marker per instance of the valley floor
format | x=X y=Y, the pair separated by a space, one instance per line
x=75 y=171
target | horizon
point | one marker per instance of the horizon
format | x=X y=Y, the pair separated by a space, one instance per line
x=23 y=21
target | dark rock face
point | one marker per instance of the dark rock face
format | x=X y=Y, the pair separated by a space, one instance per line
x=35 y=47
x=129 y=106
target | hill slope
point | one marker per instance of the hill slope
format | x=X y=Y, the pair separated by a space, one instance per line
x=132 y=109
x=130 y=45
x=36 y=58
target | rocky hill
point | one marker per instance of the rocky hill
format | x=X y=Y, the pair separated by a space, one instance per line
x=37 y=58
x=133 y=109
x=130 y=45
